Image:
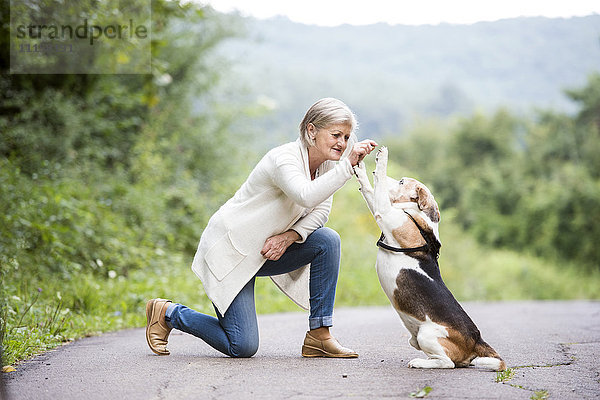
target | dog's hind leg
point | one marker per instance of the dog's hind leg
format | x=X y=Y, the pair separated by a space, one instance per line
x=488 y=358
x=427 y=338
x=414 y=342
x=496 y=364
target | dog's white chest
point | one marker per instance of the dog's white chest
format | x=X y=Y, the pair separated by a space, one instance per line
x=389 y=266
x=387 y=272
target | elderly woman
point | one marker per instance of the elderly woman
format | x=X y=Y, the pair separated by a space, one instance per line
x=273 y=226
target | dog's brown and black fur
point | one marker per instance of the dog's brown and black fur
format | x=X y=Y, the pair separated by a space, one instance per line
x=408 y=270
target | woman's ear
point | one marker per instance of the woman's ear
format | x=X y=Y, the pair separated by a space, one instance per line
x=427 y=204
x=312 y=130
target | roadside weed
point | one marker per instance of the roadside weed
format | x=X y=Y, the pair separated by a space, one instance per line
x=540 y=395
x=505 y=376
x=421 y=393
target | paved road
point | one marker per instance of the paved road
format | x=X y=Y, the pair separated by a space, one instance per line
x=552 y=346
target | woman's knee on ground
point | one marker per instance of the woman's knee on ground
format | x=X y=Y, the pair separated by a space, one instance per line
x=244 y=349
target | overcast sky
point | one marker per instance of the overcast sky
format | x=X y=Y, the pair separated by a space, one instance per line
x=415 y=12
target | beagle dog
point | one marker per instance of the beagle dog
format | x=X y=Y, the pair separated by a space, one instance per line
x=408 y=271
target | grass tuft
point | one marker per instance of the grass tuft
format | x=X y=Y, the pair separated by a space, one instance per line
x=505 y=376
x=421 y=393
x=540 y=395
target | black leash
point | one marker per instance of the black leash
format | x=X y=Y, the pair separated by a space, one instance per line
x=424 y=248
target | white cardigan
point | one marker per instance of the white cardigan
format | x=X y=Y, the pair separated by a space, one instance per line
x=278 y=195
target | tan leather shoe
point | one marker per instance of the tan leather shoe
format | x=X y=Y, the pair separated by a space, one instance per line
x=157 y=330
x=314 y=347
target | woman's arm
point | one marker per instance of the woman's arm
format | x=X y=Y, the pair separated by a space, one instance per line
x=317 y=194
x=289 y=175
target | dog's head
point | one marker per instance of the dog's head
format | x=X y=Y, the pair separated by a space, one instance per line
x=409 y=190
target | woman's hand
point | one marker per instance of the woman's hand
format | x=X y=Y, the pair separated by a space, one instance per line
x=276 y=245
x=361 y=150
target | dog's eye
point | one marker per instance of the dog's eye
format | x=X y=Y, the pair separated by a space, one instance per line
x=401 y=181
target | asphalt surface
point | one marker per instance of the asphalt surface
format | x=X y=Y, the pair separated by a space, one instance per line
x=553 y=348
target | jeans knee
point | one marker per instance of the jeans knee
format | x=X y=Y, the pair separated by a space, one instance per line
x=329 y=238
x=245 y=349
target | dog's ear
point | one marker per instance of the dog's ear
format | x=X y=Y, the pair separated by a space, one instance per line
x=427 y=204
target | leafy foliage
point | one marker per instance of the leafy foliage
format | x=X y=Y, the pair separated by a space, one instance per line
x=106 y=176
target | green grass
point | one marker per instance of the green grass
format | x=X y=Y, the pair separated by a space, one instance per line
x=505 y=376
x=421 y=393
x=84 y=304
x=540 y=395
x=88 y=304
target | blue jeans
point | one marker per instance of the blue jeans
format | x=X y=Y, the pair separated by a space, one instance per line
x=236 y=332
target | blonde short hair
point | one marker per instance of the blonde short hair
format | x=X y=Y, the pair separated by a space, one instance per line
x=323 y=113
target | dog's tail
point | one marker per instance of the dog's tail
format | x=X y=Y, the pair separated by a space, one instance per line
x=487 y=357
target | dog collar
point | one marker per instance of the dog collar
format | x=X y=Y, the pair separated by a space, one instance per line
x=424 y=248
x=381 y=244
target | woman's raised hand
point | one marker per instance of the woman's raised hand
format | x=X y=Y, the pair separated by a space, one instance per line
x=361 y=150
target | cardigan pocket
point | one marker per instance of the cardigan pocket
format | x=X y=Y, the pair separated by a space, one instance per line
x=223 y=257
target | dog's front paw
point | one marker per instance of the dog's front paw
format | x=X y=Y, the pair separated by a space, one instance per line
x=382 y=154
x=430 y=363
x=417 y=363
x=381 y=163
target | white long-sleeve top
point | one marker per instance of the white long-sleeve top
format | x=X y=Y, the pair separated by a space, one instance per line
x=277 y=196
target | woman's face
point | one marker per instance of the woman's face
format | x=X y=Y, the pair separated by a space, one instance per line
x=331 y=141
